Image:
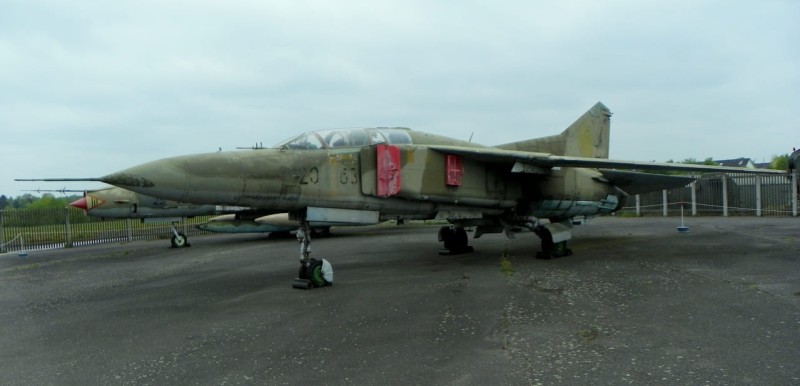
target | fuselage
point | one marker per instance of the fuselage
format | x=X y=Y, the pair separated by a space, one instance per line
x=343 y=169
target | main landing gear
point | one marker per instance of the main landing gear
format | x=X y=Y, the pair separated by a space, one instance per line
x=551 y=249
x=455 y=240
x=554 y=238
x=313 y=273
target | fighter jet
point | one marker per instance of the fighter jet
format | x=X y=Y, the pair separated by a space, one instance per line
x=115 y=202
x=363 y=176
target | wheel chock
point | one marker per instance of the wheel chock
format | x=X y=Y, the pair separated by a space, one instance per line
x=302 y=283
x=453 y=252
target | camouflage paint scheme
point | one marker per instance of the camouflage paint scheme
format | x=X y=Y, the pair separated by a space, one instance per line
x=291 y=177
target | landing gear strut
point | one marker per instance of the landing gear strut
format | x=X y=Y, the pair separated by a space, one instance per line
x=455 y=240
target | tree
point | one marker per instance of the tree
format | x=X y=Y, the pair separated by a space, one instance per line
x=48 y=201
x=21 y=202
x=694 y=161
x=779 y=162
x=27 y=200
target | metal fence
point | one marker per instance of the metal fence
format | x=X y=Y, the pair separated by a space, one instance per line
x=722 y=195
x=34 y=229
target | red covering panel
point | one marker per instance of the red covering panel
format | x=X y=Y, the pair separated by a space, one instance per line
x=455 y=172
x=388 y=170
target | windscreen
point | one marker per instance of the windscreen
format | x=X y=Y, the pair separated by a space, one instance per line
x=333 y=138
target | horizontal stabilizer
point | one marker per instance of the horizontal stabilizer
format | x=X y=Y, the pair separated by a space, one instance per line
x=637 y=182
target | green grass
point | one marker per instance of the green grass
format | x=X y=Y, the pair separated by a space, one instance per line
x=505 y=266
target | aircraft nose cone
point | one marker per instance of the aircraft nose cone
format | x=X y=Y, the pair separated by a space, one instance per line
x=161 y=178
x=127 y=179
x=80 y=203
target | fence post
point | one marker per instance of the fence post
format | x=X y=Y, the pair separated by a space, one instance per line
x=664 y=201
x=129 y=226
x=694 y=197
x=724 y=195
x=68 y=244
x=638 y=206
x=2 y=233
x=794 y=194
x=758 y=195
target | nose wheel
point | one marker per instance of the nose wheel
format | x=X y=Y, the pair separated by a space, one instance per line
x=178 y=239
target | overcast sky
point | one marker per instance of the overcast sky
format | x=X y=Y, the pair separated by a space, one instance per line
x=88 y=88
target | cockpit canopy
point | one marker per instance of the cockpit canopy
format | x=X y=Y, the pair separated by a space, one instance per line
x=326 y=139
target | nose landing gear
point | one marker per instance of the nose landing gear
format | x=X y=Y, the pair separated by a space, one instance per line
x=178 y=239
x=313 y=273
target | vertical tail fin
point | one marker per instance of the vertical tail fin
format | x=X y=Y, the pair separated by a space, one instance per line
x=586 y=137
x=589 y=135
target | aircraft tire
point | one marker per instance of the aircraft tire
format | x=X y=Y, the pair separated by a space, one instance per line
x=461 y=240
x=561 y=250
x=316 y=276
x=179 y=241
x=312 y=273
x=455 y=239
x=448 y=236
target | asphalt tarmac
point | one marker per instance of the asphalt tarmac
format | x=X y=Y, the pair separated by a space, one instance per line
x=637 y=303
